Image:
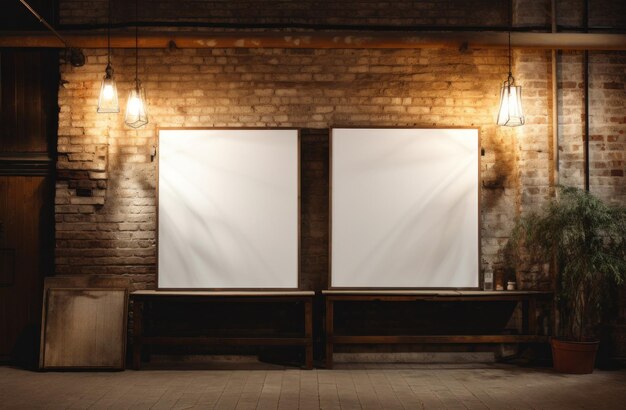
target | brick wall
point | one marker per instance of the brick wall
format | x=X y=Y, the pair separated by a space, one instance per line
x=318 y=89
x=606 y=123
x=106 y=182
x=112 y=231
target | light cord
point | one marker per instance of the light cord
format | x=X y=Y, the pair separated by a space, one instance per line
x=136 y=45
x=109 y=34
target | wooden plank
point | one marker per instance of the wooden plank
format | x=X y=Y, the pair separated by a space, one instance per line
x=505 y=292
x=28 y=92
x=157 y=293
x=233 y=341
x=27 y=242
x=88 y=281
x=84 y=328
x=383 y=298
x=26 y=164
x=138 y=307
x=308 y=333
x=225 y=299
x=343 y=39
x=402 y=292
x=92 y=312
x=436 y=339
x=330 y=317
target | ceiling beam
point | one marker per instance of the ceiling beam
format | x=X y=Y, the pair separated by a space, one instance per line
x=321 y=40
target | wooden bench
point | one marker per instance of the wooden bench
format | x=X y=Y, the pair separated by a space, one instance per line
x=297 y=298
x=528 y=299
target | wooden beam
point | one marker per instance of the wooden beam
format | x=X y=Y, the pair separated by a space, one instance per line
x=232 y=341
x=437 y=339
x=320 y=40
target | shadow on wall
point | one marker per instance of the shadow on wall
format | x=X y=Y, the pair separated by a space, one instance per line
x=499 y=160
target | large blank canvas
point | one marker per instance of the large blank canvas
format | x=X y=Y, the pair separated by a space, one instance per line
x=228 y=209
x=405 y=210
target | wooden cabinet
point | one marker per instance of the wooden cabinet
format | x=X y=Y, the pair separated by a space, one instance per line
x=28 y=118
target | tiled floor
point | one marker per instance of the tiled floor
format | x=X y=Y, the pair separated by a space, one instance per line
x=348 y=387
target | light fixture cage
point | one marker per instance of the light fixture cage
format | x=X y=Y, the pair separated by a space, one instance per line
x=511 y=112
x=136 y=107
x=108 y=101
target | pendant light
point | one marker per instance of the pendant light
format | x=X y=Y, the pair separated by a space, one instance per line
x=510 y=113
x=136 y=110
x=108 y=101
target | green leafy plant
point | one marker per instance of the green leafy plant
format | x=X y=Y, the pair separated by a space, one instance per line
x=585 y=239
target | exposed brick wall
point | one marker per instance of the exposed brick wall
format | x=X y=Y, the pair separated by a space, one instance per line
x=607 y=122
x=607 y=125
x=571 y=118
x=274 y=88
x=535 y=158
x=105 y=198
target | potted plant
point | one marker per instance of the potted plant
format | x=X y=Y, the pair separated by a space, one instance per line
x=585 y=240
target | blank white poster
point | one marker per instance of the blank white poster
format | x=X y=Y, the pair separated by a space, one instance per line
x=405 y=210
x=228 y=209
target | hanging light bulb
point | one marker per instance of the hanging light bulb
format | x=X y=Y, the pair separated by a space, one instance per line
x=136 y=110
x=108 y=102
x=136 y=113
x=511 y=113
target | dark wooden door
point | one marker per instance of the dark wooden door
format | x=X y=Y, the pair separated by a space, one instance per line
x=28 y=126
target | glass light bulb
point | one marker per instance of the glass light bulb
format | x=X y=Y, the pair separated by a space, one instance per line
x=136 y=112
x=133 y=105
x=107 y=92
x=107 y=101
x=511 y=113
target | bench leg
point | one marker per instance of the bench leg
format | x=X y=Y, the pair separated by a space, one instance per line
x=532 y=316
x=308 y=333
x=137 y=332
x=329 y=333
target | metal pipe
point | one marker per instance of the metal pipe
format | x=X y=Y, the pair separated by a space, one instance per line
x=323 y=40
x=586 y=132
x=44 y=22
x=74 y=55
x=555 y=166
x=335 y=27
x=555 y=104
x=586 y=81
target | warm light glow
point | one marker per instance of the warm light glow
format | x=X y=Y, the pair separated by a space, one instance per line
x=108 y=102
x=134 y=105
x=107 y=92
x=136 y=113
x=511 y=113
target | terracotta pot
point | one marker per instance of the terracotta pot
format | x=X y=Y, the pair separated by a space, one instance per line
x=574 y=357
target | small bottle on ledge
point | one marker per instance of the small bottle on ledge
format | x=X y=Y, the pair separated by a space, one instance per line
x=499 y=278
x=488 y=283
